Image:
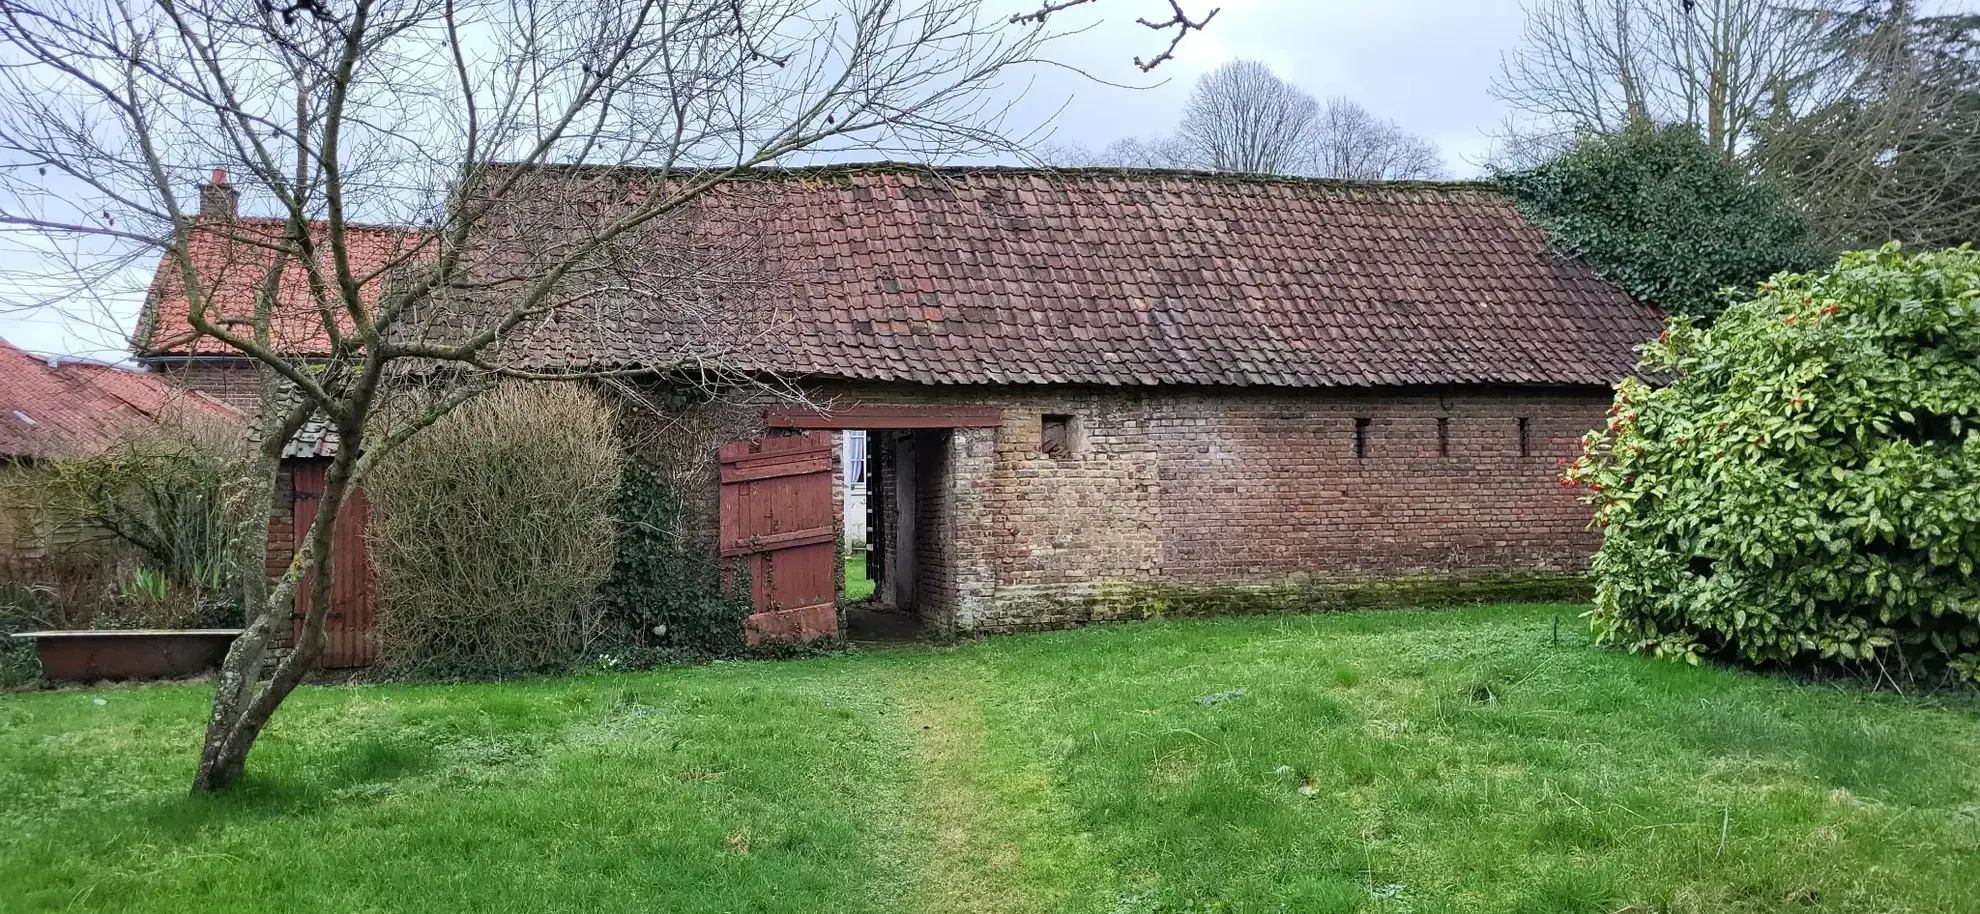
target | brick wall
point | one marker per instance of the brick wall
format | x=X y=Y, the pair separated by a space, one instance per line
x=1211 y=489
x=282 y=537
x=1170 y=495
x=936 y=523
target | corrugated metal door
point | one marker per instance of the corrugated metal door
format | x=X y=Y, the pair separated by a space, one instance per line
x=779 y=533
x=349 y=636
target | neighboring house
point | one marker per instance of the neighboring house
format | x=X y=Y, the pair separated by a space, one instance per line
x=55 y=408
x=231 y=255
x=1096 y=394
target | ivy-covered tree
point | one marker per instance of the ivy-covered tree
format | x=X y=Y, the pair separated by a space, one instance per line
x=1665 y=216
x=1803 y=485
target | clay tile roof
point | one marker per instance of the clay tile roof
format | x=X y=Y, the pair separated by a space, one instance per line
x=1122 y=277
x=232 y=258
x=74 y=408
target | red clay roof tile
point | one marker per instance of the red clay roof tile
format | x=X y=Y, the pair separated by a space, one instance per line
x=70 y=409
x=1113 y=277
x=232 y=259
x=988 y=275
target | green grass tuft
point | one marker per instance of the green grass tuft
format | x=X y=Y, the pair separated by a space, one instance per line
x=858 y=585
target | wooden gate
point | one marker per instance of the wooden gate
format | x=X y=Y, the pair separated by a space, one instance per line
x=780 y=533
x=349 y=636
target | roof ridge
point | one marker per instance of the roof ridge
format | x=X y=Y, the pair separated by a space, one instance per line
x=284 y=220
x=1113 y=171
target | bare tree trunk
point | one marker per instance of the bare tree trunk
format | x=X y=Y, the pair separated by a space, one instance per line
x=240 y=712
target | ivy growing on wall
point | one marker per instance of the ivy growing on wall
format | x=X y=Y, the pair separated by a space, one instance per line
x=664 y=599
x=1666 y=217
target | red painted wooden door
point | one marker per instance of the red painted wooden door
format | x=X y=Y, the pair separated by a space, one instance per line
x=349 y=636
x=779 y=534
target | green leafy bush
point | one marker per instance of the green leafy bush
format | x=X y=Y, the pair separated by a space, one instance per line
x=491 y=531
x=1806 y=486
x=1664 y=216
x=146 y=532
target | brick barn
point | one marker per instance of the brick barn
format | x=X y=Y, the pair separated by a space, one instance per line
x=1099 y=394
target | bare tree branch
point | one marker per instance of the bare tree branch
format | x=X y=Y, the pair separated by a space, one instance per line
x=1179 y=20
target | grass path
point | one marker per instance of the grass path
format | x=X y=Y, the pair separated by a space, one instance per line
x=1002 y=840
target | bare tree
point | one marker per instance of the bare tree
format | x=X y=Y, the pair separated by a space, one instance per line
x=1127 y=152
x=1886 y=143
x=461 y=122
x=1350 y=142
x=1243 y=117
x=1599 y=65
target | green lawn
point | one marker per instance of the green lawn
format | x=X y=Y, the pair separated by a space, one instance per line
x=858 y=585
x=1397 y=762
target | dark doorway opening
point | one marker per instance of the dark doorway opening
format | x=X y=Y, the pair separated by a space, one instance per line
x=906 y=537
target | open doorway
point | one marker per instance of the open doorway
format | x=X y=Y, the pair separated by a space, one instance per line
x=907 y=536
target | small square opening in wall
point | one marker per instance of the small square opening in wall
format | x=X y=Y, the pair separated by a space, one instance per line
x=1055 y=435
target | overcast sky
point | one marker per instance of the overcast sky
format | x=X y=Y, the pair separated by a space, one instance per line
x=1426 y=64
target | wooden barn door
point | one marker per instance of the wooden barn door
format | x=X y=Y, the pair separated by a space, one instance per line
x=780 y=534
x=349 y=639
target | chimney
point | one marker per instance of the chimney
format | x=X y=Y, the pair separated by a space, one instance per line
x=218 y=200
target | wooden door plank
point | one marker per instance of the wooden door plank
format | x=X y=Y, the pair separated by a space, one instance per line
x=776 y=526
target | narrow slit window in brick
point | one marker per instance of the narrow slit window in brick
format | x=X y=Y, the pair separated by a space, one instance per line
x=1360 y=438
x=1525 y=439
x=1055 y=435
x=1443 y=437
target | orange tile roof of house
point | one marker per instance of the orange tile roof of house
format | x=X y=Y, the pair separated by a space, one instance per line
x=232 y=258
x=55 y=408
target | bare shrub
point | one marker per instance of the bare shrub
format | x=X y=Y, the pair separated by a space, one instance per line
x=144 y=533
x=492 y=530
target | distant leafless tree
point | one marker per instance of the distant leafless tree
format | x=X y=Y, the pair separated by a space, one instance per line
x=1350 y=142
x=1885 y=144
x=450 y=118
x=1242 y=117
x=1597 y=65
x=1127 y=152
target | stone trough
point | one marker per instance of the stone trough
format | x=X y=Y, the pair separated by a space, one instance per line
x=142 y=654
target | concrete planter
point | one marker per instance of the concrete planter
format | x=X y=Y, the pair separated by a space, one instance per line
x=93 y=655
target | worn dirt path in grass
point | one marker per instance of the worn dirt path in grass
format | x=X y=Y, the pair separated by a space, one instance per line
x=1002 y=842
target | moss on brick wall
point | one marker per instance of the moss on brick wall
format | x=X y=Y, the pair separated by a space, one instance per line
x=1117 y=600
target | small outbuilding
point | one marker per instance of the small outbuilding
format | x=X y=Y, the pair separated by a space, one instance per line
x=54 y=408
